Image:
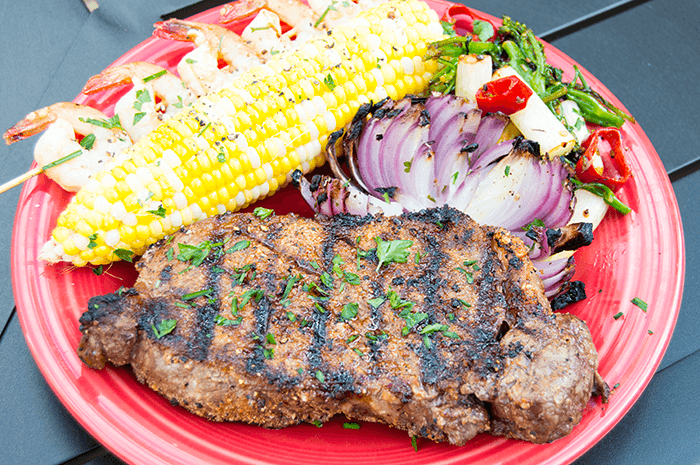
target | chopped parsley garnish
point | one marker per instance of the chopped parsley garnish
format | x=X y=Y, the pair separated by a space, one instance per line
x=329 y=82
x=195 y=253
x=397 y=302
x=237 y=305
x=320 y=376
x=98 y=271
x=204 y=129
x=291 y=281
x=179 y=103
x=325 y=12
x=238 y=246
x=263 y=213
x=154 y=76
x=351 y=278
x=160 y=211
x=142 y=96
x=110 y=123
x=317 y=423
x=292 y=317
x=193 y=295
x=223 y=321
x=352 y=338
x=337 y=261
x=536 y=222
x=61 y=160
x=138 y=117
x=164 y=327
x=92 y=244
x=414 y=443
x=392 y=251
x=376 y=302
x=124 y=254
x=351 y=426
x=239 y=275
x=358 y=351
x=640 y=303
x=327 y=280
x=507 y=171
x=435 y=327
x=88 y=141
x=349 y=311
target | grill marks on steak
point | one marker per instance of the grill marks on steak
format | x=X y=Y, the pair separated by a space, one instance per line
x=515 y=368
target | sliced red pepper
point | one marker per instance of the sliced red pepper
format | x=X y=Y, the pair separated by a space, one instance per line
x=614 y=171
x=455 y=10
x=508 y=95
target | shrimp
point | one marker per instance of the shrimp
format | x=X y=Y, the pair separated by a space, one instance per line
x=81 y=134
x=297 y=15
x=199 y=68
x=157 y=95
x=305 y=20
x=264 y=34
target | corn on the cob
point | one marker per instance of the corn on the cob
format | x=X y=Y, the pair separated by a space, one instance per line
x=242 y=143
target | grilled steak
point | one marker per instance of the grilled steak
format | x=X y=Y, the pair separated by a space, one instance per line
x=427 y=322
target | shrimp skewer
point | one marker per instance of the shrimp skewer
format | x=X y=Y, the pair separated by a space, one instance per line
x=199 y=68
x=306 y=20
x=78 y=141
x=157 y=95
x=300 y=17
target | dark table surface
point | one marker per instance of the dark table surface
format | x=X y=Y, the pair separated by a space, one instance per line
x=645 y=52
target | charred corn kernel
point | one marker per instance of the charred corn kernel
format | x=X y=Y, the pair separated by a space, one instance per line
x=241 y=143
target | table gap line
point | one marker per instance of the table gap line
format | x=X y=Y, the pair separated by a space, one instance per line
x=89 y=455
x=193 y=9
x=590 y=19
x=686 y=169
x=7 y=323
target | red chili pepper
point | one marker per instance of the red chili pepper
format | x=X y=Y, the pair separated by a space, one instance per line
x=508 y=95
x=451 y=16
x=607 y=144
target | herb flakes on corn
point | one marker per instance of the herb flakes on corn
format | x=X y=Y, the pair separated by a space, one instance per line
x=241 y=143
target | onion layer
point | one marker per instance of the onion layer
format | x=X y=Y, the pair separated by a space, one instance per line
x=421 y=153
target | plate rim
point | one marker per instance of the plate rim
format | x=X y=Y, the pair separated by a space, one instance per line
x=100 y=429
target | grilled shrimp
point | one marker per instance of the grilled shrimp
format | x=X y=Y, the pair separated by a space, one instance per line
x=157 y=94
x=199 y=68
x=264 y=34
x=302 y=19
x=74 y=130
x=305 y=20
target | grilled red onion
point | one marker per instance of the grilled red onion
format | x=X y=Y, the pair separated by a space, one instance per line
x=421 y=153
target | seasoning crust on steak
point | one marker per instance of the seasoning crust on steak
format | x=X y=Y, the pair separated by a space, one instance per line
x=284 y=320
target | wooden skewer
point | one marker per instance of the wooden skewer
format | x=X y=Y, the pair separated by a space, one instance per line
x=31 y=173
x=20 y=179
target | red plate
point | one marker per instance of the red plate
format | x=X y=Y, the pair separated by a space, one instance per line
x=639 y=255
